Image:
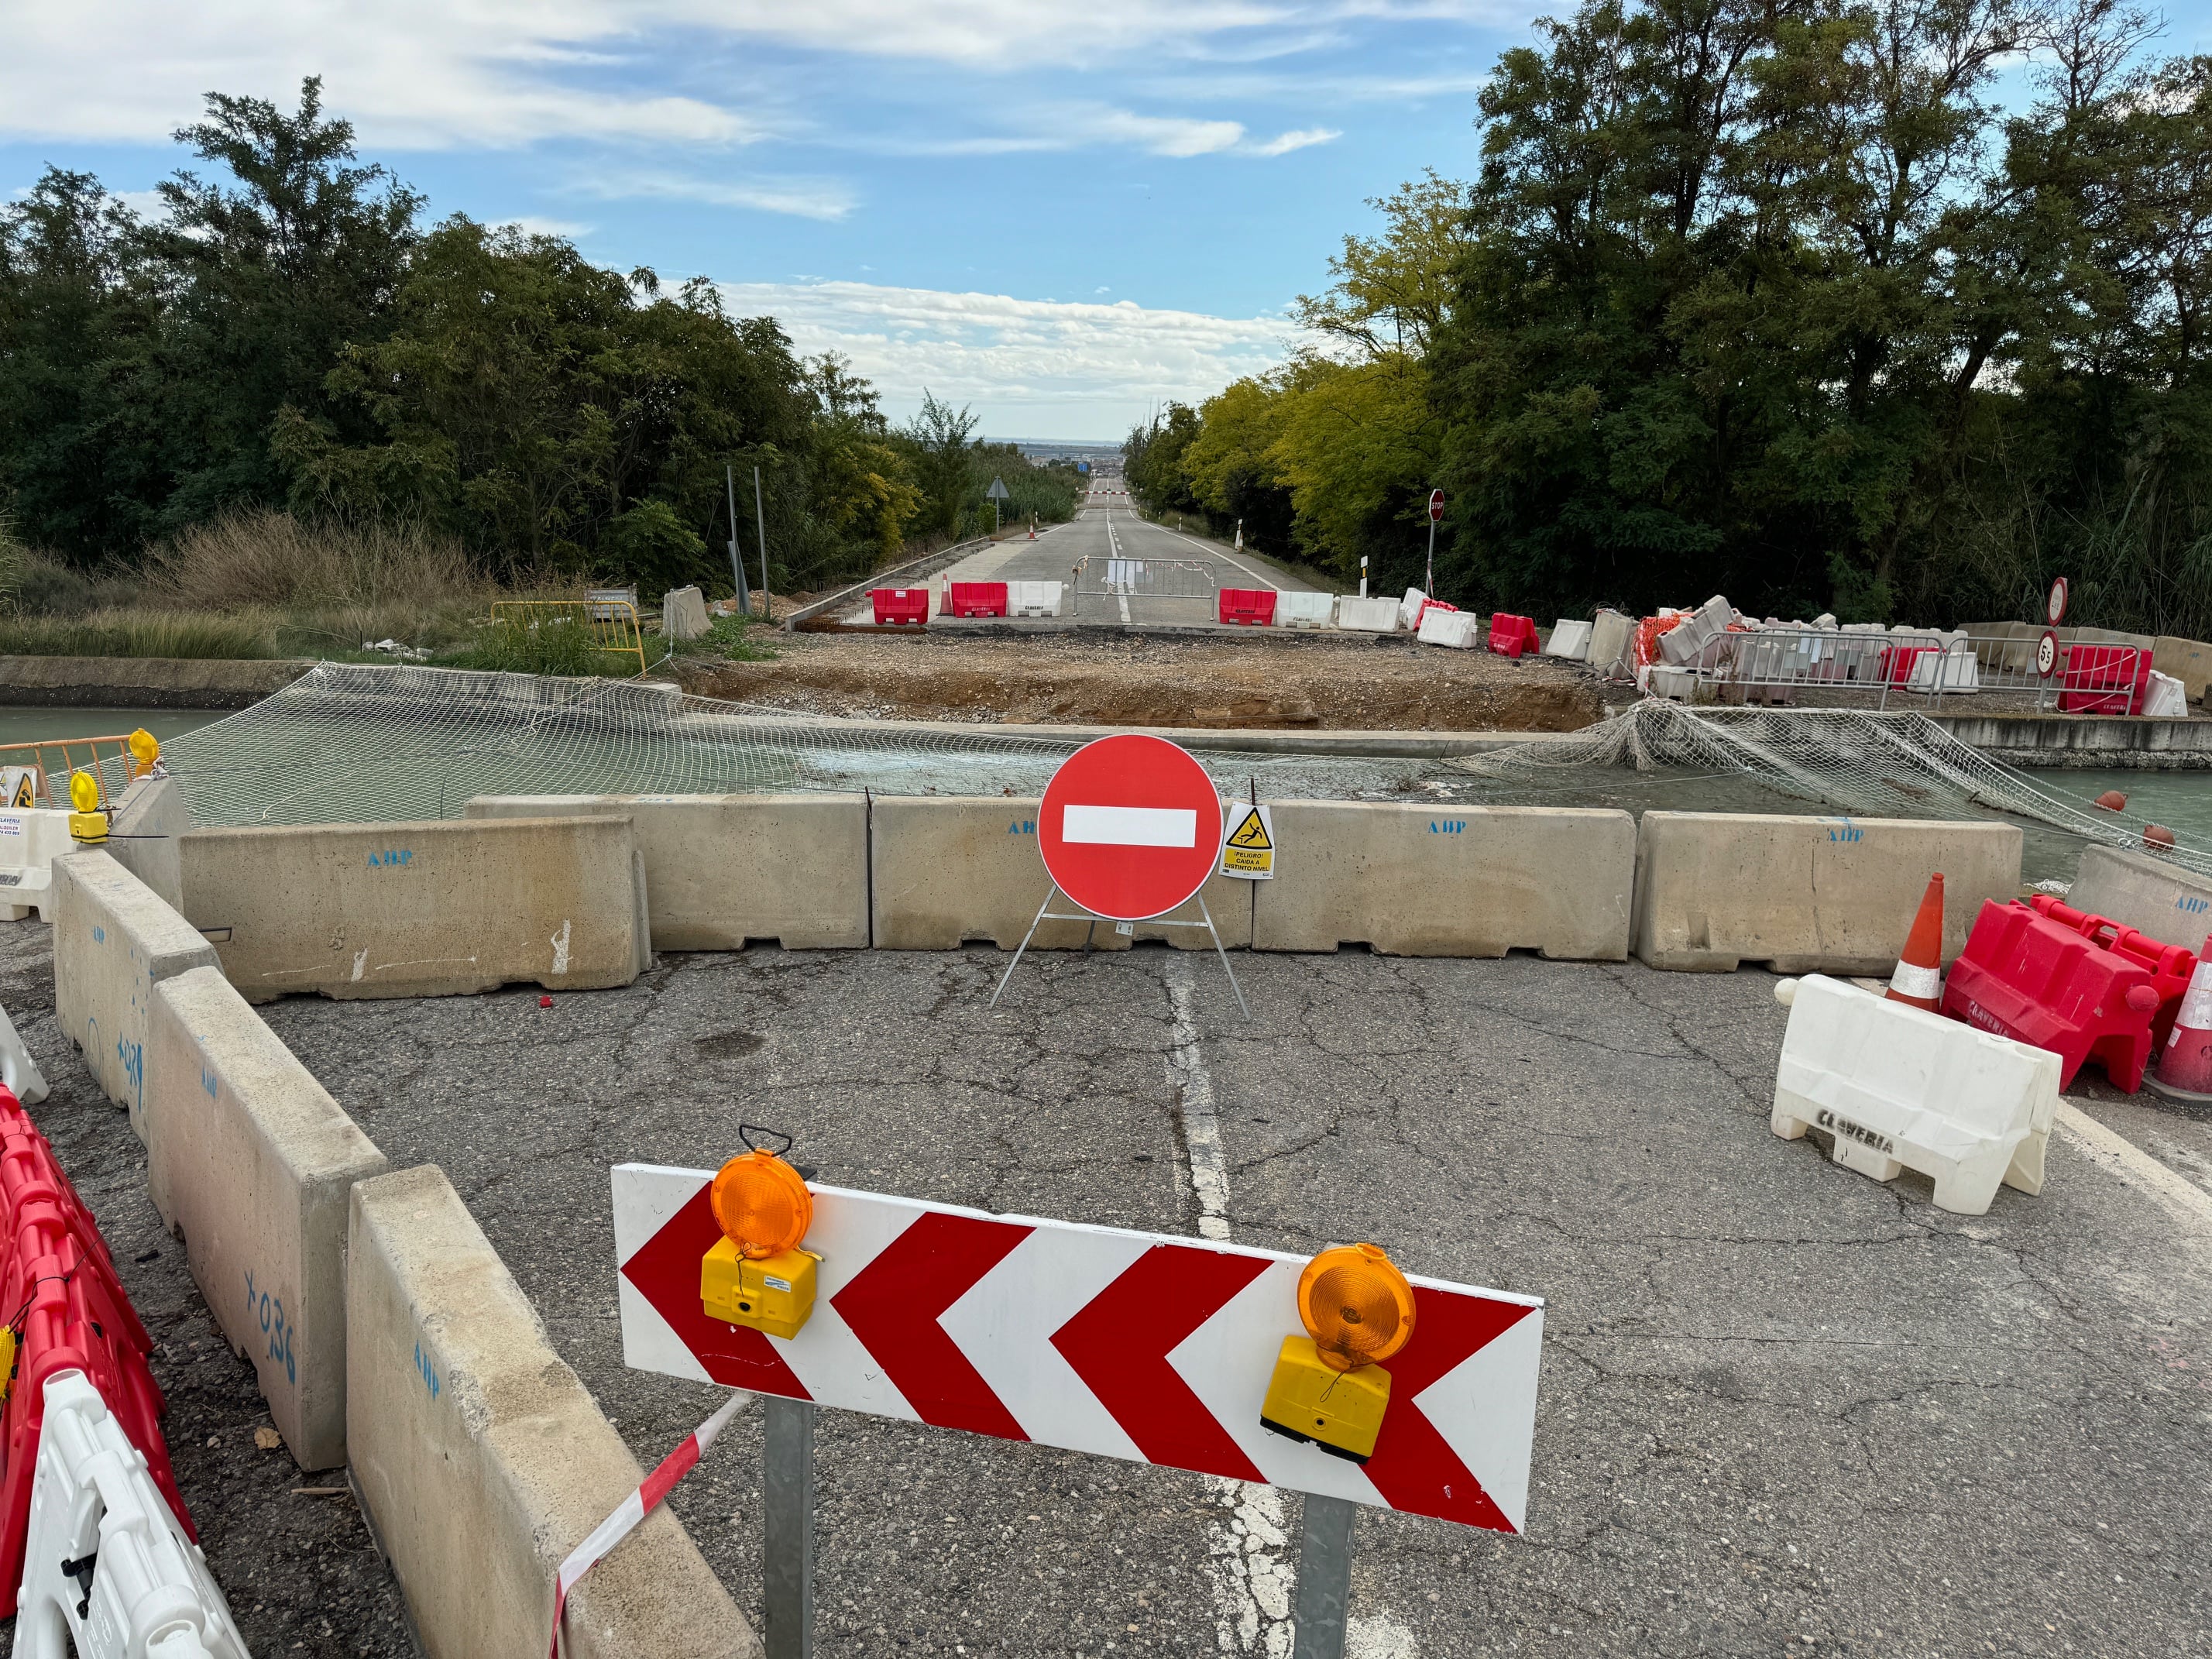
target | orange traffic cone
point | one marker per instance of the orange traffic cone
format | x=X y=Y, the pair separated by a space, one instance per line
x=1919 y=976
x=2184 y=1070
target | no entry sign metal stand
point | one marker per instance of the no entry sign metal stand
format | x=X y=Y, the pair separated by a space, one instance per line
x=1319 y=1614
x=1046 y=913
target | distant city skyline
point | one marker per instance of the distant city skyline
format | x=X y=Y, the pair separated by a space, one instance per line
x=1056 y=216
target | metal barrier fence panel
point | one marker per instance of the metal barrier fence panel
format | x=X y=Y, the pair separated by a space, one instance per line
x=1101 y=579
x=612 y=623
x=50 y=760
x=1772 y=665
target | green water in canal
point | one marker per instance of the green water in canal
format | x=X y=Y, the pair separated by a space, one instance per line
x=22 y=725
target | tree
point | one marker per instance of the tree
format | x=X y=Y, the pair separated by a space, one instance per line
x=939 y=444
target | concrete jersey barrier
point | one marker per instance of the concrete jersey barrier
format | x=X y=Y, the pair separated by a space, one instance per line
x=723 y=869
x=1808 y=895
x=483 y=1461
x=2137 y=890
x=251 y=1161
x=114 y=941
x=437 y=909
x=1473 y=881
x=947 y=870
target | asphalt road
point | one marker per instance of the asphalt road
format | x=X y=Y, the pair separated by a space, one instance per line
x=1177 y=590
x=1783 y=1409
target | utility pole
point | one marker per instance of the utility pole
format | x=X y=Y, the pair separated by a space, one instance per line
x=736 y=566
x=760 y=521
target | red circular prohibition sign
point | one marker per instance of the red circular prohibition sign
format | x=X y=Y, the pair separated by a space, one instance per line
x=1130 y=827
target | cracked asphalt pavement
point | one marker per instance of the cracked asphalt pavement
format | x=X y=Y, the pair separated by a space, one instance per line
x=1783 y=1409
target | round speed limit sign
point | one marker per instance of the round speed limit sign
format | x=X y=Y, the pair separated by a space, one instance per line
x=2046 y=654
x=2054 y=604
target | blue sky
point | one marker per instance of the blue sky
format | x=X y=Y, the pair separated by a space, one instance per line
x=1055 y=213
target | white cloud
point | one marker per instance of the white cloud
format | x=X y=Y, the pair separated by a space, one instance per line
x=531 y=225
x=806 y=198
x=1162 y=135
x=1050 y=367
x=429 y=72
x=1284 y=143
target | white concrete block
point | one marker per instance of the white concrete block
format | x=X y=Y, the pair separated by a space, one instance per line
x=114 y=941
x=252 y=1162
x=684 y=614
x=1368 y=615
x=1899 y=1088
x=1569 y=640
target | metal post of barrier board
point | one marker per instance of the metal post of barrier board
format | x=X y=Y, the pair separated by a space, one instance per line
x=1324 y=1588
x=1046 y=913
x=788 y=1566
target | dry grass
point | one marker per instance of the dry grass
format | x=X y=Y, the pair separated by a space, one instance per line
x=249 y=559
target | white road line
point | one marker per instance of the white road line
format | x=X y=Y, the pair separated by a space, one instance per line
x=1213 y=552
x=1248 y=1555
x=2187 y=1202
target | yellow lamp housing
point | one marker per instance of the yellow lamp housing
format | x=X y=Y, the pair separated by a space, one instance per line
x=1309 y=1400
x=145 y=750
x=757 y=1275
x=773 y=1293
x=88 y=824
x=1328 y=1388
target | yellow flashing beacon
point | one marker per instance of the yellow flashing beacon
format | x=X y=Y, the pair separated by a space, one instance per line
x=87 y=825
x=1328 y=1389
x=145 y=750
x=757 y=1275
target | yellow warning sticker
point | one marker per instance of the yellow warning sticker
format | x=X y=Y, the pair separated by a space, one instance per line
x=1247 y=852
x=21 y=785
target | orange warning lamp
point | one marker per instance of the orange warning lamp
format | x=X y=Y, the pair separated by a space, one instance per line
x=1329 y=1388
x=757 y=1275
x=87 y=825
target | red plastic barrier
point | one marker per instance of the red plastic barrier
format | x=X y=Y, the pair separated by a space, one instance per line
x=2026 y=976
x=59 y=1282
x=1895 y=662
x=1509 y=635
x=900 y=604
x=2170 y=966
x=2105 y=679
x=975 y=599
x=1249 y=607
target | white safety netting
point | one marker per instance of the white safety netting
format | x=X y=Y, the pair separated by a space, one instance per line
x=367 y=744
x=1876 y=764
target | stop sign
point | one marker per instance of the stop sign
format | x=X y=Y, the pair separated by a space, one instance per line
x=1435 y=505
x=1130 y=827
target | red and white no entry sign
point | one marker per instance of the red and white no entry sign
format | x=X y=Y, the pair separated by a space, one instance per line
x=1130 y=827
x=1436 y=506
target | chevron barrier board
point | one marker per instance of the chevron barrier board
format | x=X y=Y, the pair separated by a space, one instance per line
x=1129 y=1345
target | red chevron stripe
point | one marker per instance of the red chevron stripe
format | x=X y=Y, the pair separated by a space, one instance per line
x=1414 y=1466
x=665 y=1270
x=894 y=1302
x=1119 y=1342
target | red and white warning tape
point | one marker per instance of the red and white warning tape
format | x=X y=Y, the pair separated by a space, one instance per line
x=603 y=1537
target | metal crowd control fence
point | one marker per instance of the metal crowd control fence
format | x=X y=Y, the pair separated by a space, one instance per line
x=1773 y=665
x=612 y=623
x=1122 y=579
x=93 y=755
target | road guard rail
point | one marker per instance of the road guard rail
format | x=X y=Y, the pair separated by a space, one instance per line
x=1107 y=581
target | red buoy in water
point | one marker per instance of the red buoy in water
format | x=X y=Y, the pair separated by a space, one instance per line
x=2112 y=800
x=2157 y=835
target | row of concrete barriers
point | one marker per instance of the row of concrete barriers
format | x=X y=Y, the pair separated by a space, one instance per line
x=1693 y=890
x=384 y=1329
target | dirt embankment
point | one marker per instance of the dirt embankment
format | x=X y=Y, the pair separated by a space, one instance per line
x=1256 y=680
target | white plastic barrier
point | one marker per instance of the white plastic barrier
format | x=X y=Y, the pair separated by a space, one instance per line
x=1409 y=609
x=2168 y=699
x=146 y=1590
x=1367 y=616
x=1611 y=636
x=1944 y=670
x=1458 y=630
x=1031 y=598
x=31 y=839
x=1900 y=1088
x=1304 y=610
x=18 y=1071
x=1571 y=640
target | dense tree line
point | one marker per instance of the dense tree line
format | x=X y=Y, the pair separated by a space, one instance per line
x=1892 y=307
x=287 y=332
